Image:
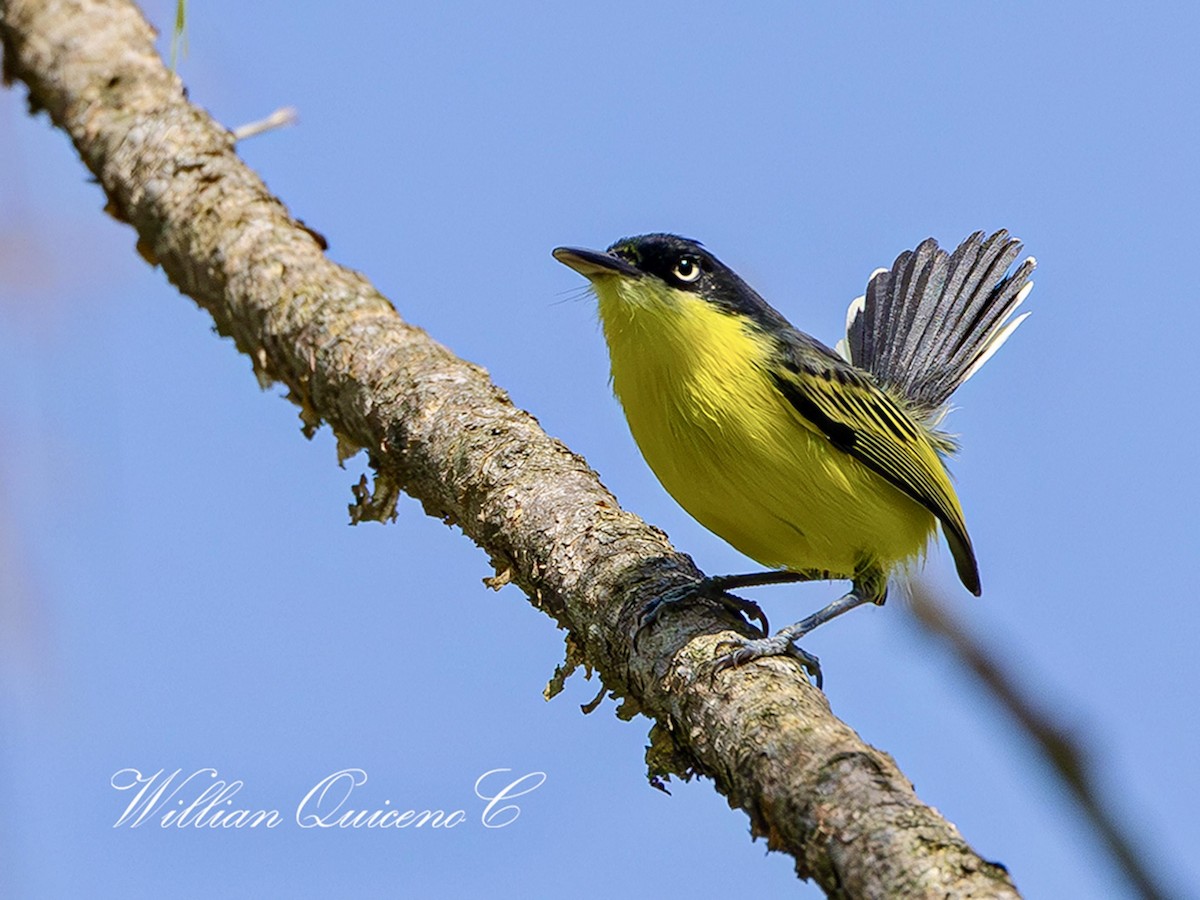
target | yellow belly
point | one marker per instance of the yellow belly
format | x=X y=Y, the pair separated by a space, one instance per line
x=734 y=453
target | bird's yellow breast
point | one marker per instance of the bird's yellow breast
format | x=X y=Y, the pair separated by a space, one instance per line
x=696 y=387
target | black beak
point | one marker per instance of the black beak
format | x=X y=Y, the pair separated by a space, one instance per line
x=593 y=263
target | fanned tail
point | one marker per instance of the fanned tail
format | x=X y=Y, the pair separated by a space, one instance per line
x=927 y=325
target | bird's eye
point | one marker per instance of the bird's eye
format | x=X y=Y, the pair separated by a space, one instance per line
x=687 y=269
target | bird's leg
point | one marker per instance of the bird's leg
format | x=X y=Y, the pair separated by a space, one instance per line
x=714 y=588
x=783 y=643
x=756 y=579
x=717 y=587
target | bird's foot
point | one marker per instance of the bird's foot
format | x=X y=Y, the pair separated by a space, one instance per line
x=707 y=590
x=782 y=644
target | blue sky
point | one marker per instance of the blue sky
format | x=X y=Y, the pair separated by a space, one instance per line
x=181 y=589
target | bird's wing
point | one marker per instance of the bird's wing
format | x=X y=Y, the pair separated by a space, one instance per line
x=860 y=419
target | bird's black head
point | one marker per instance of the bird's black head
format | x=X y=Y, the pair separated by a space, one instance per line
x=680 y=262
x=686 y=265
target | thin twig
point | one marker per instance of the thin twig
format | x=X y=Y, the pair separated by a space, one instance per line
x=281 y=118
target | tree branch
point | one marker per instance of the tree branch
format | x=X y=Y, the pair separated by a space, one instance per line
x=436 y=427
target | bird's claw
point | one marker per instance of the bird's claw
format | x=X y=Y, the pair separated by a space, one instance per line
x=747 y=609
x=673 y=597
x=779 y=645
x=702 y=590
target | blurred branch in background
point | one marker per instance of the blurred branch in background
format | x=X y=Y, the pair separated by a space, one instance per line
x=1067 y=759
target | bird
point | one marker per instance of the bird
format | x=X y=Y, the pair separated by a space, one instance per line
x=818 y=463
